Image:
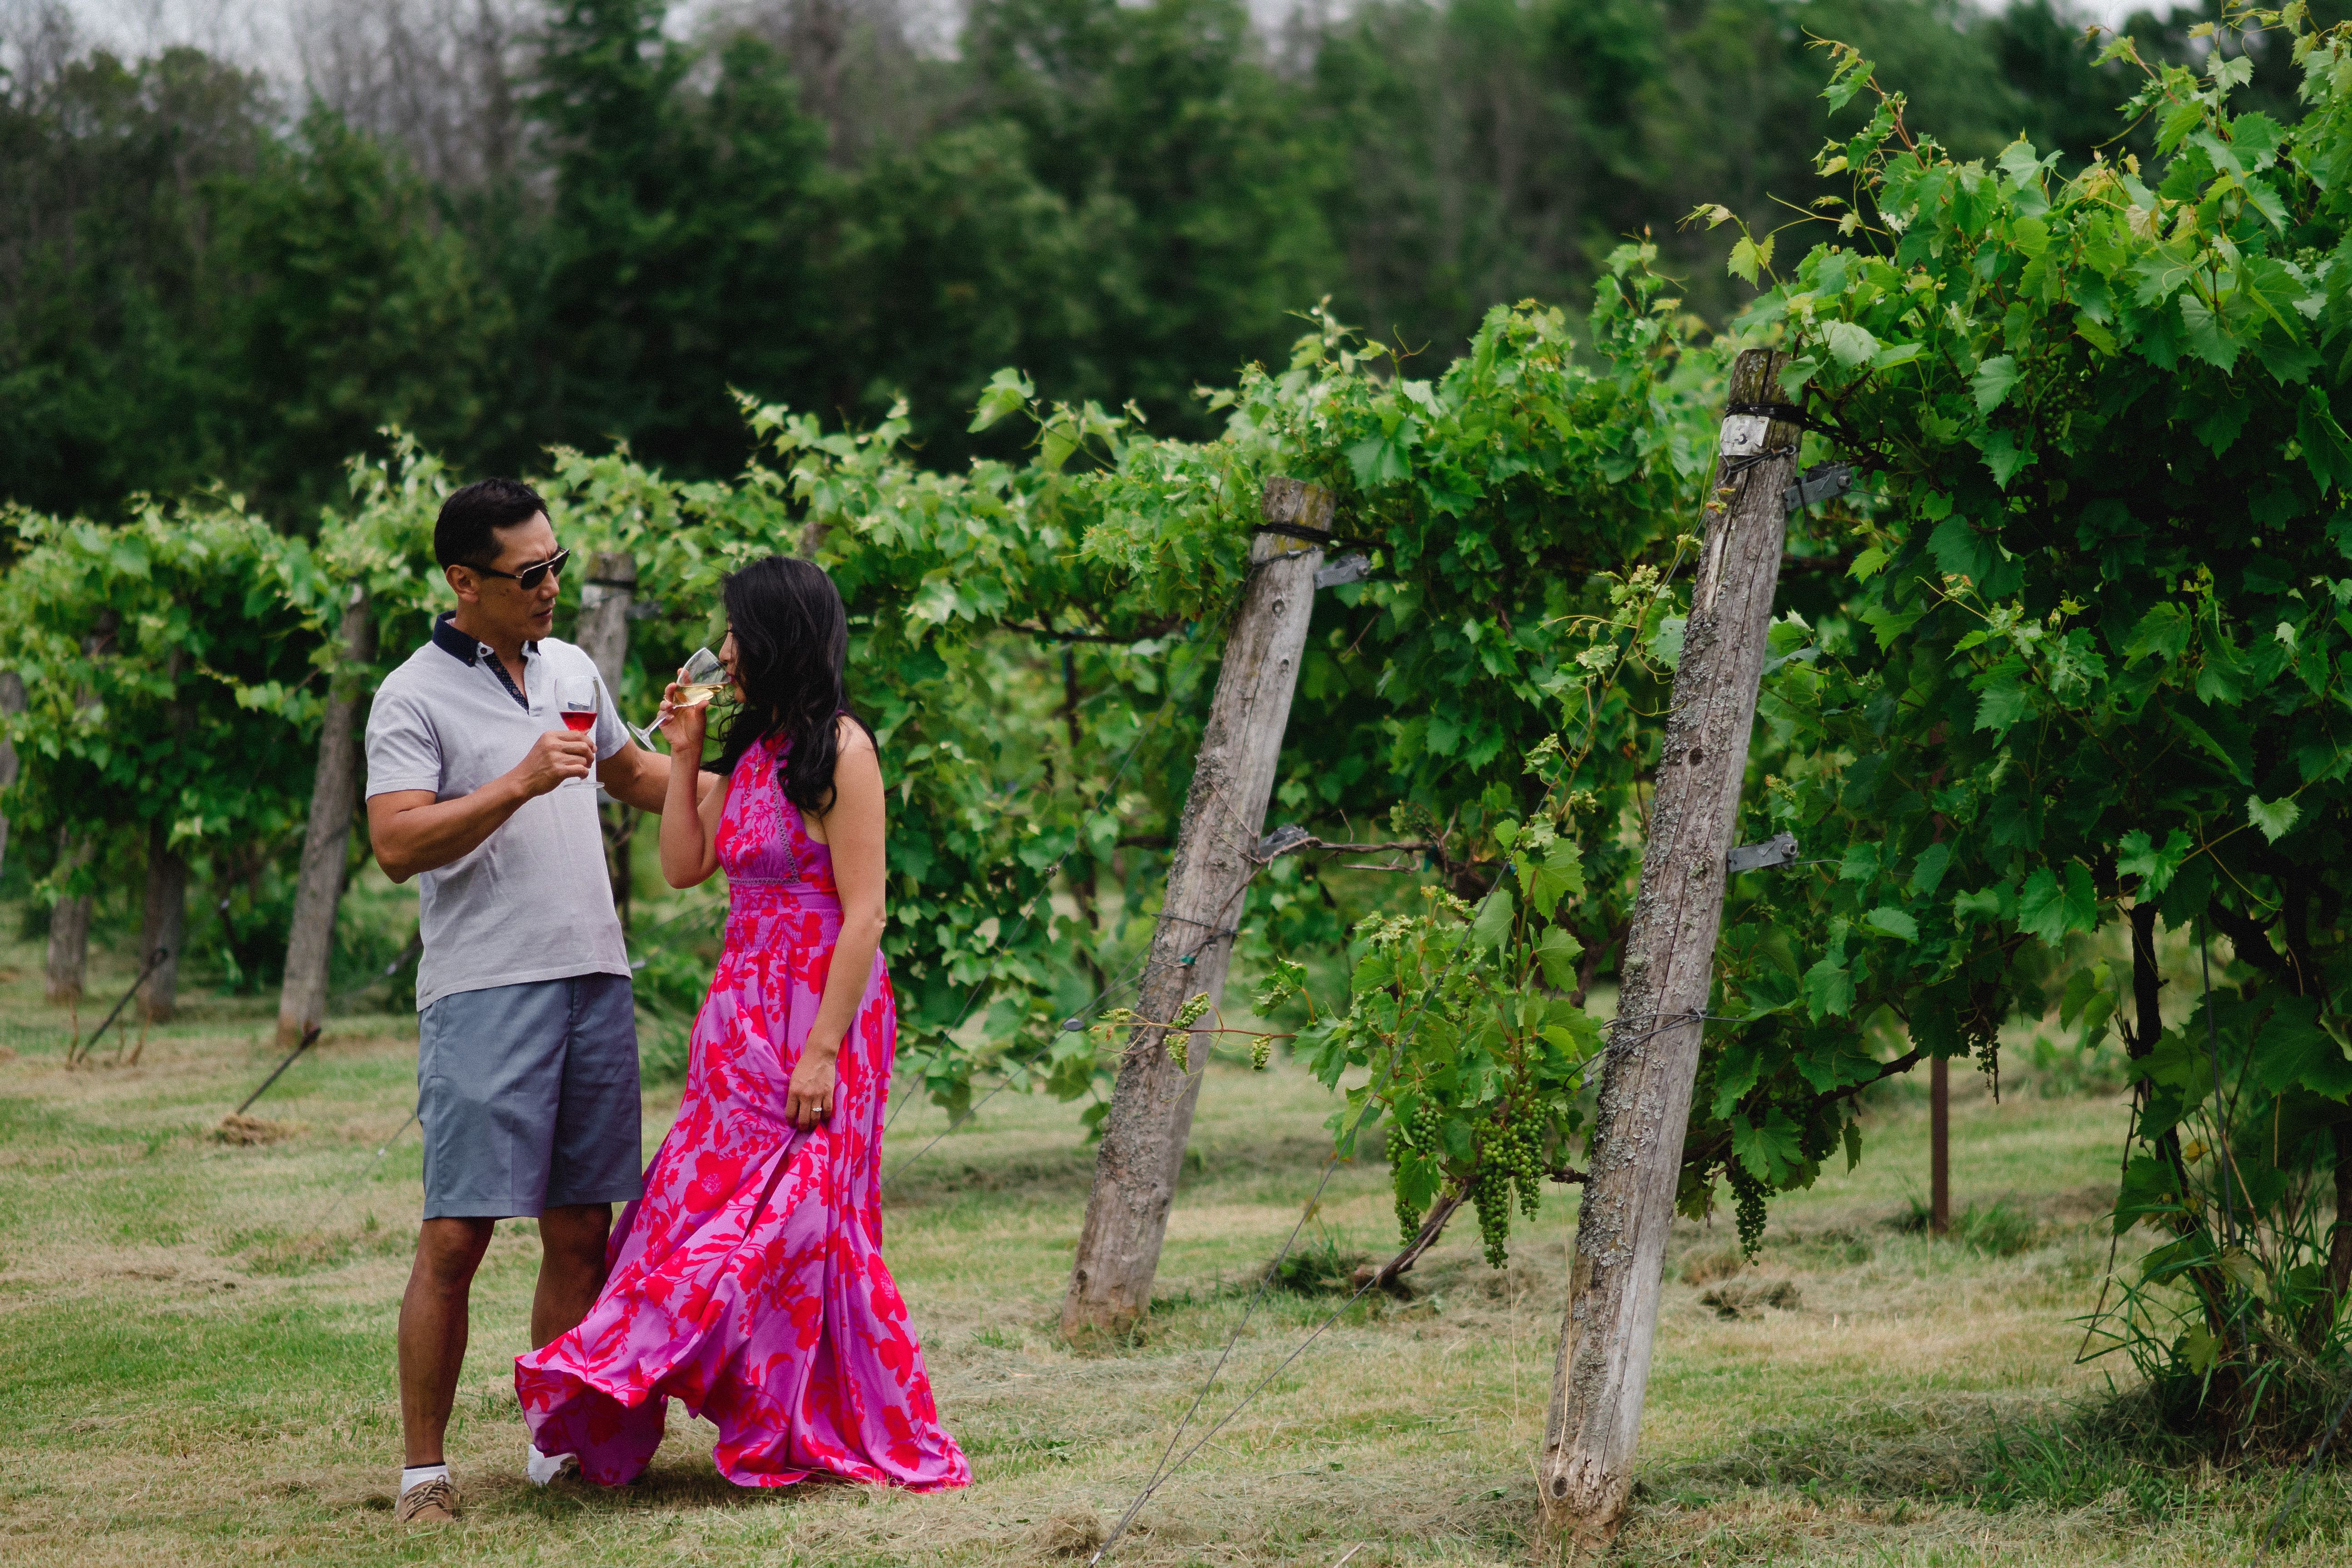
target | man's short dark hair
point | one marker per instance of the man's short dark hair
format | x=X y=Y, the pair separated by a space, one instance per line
x=463 y=537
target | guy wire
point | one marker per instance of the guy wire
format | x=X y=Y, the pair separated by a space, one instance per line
x=1045 y=884
x=1164 y=1469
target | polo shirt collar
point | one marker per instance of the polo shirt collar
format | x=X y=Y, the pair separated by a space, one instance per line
x=461 y=648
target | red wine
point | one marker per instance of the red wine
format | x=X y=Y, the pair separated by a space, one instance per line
x=577 y=722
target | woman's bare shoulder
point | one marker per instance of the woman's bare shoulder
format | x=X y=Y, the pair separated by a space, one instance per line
x=851 y=737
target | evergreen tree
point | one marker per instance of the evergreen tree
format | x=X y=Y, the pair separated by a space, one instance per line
x=1198 y=188
x=682 y=245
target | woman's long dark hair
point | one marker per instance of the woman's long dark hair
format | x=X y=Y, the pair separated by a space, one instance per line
x=791 y=655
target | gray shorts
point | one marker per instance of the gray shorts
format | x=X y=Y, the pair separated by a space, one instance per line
x=529 y=1098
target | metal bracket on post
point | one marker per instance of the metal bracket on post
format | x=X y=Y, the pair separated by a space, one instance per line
x=1827 y=481
x=1353 y=567
x=1780 y=849
x=1282 y=840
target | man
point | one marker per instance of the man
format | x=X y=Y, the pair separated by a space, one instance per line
x=526 y=1057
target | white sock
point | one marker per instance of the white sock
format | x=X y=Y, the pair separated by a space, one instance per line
x=417 y=1475
x=544 y=1468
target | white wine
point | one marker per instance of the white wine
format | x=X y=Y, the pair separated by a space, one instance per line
x=703 y=679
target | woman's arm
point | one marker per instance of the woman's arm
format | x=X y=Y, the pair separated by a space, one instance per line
x=690 y=804
x=854 y=829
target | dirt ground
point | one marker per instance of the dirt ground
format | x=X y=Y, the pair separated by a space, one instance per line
x=197 y=1350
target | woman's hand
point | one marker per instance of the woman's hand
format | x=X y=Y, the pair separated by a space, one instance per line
x=682 y=727
x=808 y=1101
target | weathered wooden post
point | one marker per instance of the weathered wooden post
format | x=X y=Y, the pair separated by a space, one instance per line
x=603 y=628
x=67 y=959
x=1586 y=1471
x=1224 y=814
x=327 y=837
x=603 y=632
x=166 y=914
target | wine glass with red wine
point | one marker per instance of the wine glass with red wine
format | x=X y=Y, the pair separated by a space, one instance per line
x=576 y=703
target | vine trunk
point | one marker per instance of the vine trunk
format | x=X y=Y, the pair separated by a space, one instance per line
x=325 y=838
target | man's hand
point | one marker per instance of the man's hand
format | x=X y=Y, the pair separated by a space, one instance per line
x=413 y=832
x=555 y=758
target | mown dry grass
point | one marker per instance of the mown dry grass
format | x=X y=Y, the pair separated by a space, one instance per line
x=197 y=1338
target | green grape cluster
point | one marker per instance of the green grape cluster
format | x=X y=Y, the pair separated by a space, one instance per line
x=1408 y=1213
x=1747 y=1193
x=1510 y=1161
x=1423 y=1130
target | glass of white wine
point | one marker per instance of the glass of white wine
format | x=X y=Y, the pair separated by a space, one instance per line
x=703 y=679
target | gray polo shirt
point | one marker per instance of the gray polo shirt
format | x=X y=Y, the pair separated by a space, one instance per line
x=532 y=901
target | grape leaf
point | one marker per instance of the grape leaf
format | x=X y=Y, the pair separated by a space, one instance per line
x=1829 y=988
x=1848 y=343
x=2276 y=819
x=1993 y=381
x=1560 y=875
x=2138 y=855
x=1007 y=390
x=1492 y=927
x=1558 y=953
x=2049 y=910
x=1772 y=1151
x=1894 y=922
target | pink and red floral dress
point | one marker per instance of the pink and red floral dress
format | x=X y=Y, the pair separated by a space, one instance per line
x=749 y=1282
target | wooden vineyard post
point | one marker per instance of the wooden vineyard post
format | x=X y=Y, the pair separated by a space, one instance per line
x=603 y=629
x=165 y=920
x=67 y=959
x=603 y=634
x=1586 y=1469
x=1224 y=814
x=327 y=837
x=1939 y=1146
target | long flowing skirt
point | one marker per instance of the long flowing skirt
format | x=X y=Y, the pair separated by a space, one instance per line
x=748 y=1282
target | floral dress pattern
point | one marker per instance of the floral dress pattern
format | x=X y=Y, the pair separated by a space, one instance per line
x=749 y=1282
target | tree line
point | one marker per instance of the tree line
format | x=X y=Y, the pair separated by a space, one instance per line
x=508 y=224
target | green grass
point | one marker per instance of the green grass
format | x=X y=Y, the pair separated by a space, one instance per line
x=196 y=1359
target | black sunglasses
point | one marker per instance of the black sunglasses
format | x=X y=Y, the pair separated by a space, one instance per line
x=531 y=577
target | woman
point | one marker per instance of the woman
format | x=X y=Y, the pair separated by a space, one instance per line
x=748 y=1281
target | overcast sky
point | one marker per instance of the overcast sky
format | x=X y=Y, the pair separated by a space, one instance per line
x=262 y=31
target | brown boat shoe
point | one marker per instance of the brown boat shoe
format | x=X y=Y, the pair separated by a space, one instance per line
x=427 y=1502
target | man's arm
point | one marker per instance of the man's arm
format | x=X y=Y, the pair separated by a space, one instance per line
x=413 y=832
x=641 y=778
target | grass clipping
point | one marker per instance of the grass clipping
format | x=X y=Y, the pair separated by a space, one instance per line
x=247 y=1131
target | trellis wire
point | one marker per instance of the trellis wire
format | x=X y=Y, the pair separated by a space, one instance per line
x=1028 y=913
x=311 y=1035
x=1119 y=983
x=1732 y=468
x=1044 y=889
x=1163 y=1470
